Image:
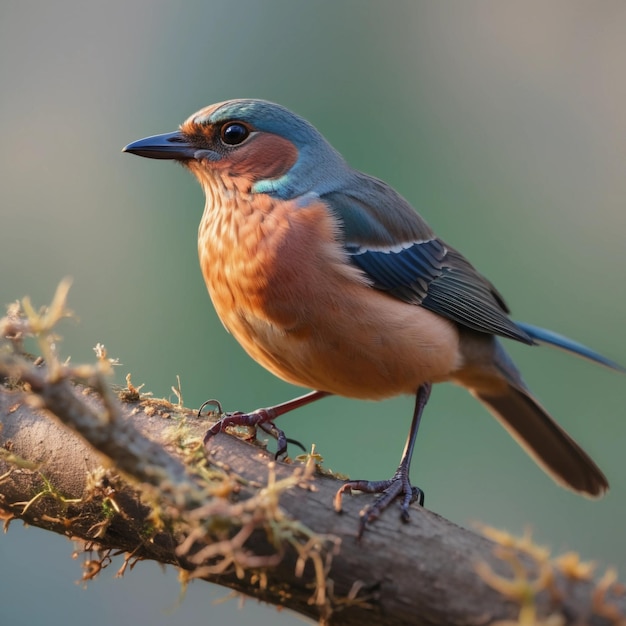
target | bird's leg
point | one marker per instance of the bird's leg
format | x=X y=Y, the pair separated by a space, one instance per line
x=399 y=486
x=264 y=419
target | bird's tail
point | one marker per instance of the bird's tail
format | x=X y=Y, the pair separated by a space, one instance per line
x=531 y=425
x=542 y=335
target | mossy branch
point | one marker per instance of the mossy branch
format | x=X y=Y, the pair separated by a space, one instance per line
x=127 y=474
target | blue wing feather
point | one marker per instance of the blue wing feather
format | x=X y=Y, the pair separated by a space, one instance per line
x=411 y=269
x=389 y=241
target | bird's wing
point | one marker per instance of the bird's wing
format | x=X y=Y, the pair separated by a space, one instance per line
x=392 y=244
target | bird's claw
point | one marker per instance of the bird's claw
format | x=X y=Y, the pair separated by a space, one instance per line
x=256 y=418
x=397 y=487
x=281 y=439
x=216 y=403
x=261 y=418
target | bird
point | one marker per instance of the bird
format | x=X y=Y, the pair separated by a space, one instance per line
x=332 y=281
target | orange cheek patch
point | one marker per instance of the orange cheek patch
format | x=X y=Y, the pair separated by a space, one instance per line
x=265 y=156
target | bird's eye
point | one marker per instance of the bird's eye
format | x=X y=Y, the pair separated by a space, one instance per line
x=234 y=133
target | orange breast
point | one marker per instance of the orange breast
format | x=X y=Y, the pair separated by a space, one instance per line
x=281 y=284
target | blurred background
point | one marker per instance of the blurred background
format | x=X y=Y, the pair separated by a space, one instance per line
x=504 y=124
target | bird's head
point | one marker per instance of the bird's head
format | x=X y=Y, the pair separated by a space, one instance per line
x=258 y=146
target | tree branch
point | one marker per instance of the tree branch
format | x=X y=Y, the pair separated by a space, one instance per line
x=129 y=475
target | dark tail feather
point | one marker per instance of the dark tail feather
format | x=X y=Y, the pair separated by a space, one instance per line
x=531 y=425
x=542 y=335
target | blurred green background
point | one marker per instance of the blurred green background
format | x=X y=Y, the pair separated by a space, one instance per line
x=503 y=123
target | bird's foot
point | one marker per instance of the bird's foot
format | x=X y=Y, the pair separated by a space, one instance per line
x=397 y=487
x=261 y=418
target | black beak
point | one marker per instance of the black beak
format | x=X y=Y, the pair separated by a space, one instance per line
x=168 y=146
